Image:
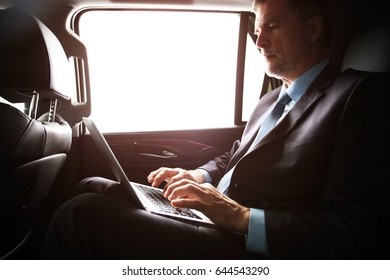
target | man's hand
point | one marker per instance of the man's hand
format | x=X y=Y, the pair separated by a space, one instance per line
x=223 y=211
x=172 y=175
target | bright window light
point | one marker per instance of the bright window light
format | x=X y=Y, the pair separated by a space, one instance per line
x=254 y=78
x=154 y=70
x=19 y=106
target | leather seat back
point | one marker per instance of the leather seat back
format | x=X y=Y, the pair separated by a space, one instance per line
x=34 y=71
x=370 y=51
x=370 y=54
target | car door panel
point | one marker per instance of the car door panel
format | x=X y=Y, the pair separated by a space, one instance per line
x=140 y=153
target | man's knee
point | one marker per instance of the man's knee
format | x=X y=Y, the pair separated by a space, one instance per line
x=98 y=185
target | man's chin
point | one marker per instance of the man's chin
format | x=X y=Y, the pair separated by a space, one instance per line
x=272 y=74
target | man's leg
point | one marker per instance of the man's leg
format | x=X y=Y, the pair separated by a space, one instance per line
x=97 y=226
x=100 y=185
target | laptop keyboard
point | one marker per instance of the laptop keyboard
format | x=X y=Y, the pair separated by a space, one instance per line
x=163 y=204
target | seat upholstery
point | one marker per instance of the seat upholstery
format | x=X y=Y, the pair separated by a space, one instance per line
x=33 y=149
x=370 y=51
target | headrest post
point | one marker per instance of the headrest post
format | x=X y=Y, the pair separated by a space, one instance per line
x=52 y=110
x=34 y=105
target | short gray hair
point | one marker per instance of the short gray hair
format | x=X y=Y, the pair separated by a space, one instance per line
x=305 y=9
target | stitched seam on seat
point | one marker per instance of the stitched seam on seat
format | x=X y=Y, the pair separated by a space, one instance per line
x=24 y=134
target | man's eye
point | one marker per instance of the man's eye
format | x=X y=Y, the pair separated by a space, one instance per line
x=272 y=25
x=266 y=26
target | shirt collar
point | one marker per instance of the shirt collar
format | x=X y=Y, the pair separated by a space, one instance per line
x=300 y=85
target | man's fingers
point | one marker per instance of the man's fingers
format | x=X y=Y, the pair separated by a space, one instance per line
x=186 y=188
x=156 y=178
x=172 y=186
x=186 y=202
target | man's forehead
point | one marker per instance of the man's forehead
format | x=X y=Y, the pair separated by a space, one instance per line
x=270 y=11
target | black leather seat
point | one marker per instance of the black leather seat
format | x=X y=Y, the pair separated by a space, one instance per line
x=370 y=51
x=34 y=70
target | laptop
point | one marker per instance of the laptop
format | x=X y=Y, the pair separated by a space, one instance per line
x=142 y=196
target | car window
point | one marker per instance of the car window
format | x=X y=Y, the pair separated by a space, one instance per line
x=253 y=78
x=164 y=70
x=20 y=106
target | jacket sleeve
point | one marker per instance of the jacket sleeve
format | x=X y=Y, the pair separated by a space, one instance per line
x=217 y=167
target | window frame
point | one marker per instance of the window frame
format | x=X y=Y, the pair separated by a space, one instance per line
x=245 y=28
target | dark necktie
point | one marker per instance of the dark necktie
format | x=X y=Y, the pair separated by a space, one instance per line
x=267 y=124
x=270 y=121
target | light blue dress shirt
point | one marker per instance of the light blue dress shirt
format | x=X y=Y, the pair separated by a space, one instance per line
x=256 y=238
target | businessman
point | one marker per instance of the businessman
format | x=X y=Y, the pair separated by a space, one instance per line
x=306 y=180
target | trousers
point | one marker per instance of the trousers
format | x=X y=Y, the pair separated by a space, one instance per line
x=99 y=223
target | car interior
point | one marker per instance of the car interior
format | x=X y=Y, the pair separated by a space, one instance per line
x=52 y=75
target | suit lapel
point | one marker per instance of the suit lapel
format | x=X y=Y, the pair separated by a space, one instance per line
x=252 y=126
x=311 y=97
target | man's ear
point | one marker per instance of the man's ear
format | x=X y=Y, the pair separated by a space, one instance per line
x=315 y=26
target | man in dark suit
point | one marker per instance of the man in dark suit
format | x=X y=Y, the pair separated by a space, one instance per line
x=302 y=184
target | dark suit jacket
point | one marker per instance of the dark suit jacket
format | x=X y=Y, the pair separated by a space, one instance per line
x=321 y=174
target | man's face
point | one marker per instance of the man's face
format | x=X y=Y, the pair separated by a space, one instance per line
x=282 y=39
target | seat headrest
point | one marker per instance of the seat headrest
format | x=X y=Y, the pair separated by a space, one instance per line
x=370 y=51
x=31 y=59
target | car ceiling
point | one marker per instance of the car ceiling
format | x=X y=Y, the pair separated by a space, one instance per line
x=338 y=6
x=236 y=5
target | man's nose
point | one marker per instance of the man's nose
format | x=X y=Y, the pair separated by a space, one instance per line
x=261 y=41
